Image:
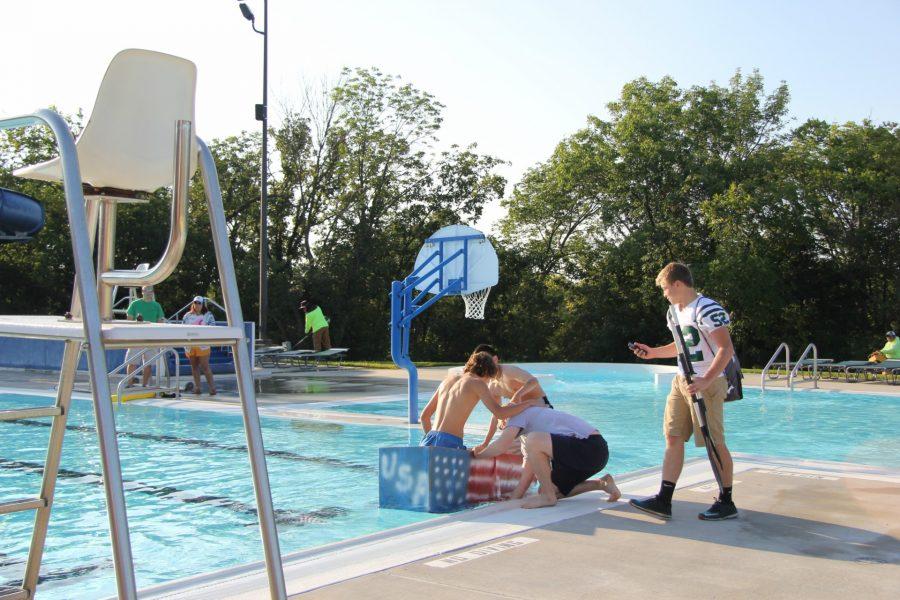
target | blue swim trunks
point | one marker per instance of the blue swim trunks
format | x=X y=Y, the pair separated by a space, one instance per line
x=443 y=440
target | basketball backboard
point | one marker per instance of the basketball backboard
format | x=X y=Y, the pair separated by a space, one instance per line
x=476 y=265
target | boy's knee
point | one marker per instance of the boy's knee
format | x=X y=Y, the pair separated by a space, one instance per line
x=674 y=441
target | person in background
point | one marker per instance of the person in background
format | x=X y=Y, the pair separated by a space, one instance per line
x=199 y=355
x=146 y=310
x=317 y=324
x=891 y=349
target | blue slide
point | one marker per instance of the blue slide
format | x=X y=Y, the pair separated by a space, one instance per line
x=21 y=216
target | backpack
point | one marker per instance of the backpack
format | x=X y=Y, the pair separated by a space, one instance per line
x=732 y=371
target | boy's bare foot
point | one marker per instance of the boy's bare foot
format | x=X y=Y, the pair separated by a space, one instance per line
x=539 y=501
x=611 y=488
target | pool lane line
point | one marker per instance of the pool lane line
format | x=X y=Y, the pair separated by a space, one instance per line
x=59 y=574
x=285 y=454
x=283 y=516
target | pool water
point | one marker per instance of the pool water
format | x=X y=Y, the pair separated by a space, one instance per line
x=628 y=409
x=190 y=498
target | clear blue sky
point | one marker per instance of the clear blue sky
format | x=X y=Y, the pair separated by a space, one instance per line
x=516 y=76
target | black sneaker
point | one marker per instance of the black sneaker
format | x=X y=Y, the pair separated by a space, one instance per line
x=719 y=511
x=654 y=506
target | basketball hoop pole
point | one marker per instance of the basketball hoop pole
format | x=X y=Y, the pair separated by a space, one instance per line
x=442 y=268
x=404 y=309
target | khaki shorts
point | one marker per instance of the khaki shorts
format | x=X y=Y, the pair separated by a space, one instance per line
x=681 y=420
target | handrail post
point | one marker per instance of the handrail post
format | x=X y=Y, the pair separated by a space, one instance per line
x=787 y=362
x=799 y=364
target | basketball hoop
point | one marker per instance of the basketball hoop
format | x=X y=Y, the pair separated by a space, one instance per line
x=456 y=260
x=475 y=303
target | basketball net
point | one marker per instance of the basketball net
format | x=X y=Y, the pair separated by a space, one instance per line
x=475 y=303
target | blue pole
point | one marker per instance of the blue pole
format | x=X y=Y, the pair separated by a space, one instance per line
x=400 y=299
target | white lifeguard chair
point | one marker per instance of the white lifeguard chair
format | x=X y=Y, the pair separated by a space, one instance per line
x=140 y=137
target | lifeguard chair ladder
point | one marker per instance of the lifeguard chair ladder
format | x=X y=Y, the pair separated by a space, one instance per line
x=140 y=137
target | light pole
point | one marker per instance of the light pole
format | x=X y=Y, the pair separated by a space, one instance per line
x=262 y=115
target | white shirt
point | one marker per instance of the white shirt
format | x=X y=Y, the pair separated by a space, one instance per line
x=698 y=320
x=549 y=420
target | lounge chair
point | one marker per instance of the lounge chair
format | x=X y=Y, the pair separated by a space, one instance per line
x=888 y=368
x=840 y=368
x=325 y=356
x=781 y=369
x=291 y=358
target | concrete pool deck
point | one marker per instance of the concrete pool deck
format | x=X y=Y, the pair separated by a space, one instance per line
x=806 y=529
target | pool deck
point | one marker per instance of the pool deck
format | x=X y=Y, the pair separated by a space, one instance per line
x=807 y=529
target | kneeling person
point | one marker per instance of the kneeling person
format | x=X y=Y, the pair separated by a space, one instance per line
x=561 y=450
x=457 y=396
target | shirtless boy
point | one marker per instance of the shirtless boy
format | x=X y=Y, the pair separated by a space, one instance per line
x=457 y=396
x=511 y=382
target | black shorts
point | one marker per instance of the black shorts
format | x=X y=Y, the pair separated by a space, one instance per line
x=576 y=460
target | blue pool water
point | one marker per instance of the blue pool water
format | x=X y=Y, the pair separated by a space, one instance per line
x=628 y=409
x=190 y=498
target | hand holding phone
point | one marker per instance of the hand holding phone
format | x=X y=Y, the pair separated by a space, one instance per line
x=637 y=349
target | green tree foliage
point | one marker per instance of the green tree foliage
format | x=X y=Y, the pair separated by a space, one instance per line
x=793 y=229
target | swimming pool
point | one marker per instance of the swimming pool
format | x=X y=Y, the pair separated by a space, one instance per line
x=189 y=495
x=190 y=500
x=628 y=408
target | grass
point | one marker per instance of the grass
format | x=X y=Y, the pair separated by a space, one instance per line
x=386 y=364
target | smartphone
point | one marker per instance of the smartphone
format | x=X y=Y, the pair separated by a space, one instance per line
x=633 y=347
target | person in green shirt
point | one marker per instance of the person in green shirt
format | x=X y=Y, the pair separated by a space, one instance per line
x=317 y=324
x=891 y=349
x=146 y=310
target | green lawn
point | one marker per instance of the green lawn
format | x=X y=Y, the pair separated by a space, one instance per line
x=386 y=364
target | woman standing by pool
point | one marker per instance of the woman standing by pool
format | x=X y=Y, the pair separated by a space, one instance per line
x=199 y=355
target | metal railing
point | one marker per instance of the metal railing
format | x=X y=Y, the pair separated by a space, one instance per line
x=799 y=364
x=158 y=358
x=787 y=361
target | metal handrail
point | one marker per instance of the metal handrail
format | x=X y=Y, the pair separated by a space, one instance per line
x=787 y=362
x=162 y=352
x=799 y=363
x=86 y=305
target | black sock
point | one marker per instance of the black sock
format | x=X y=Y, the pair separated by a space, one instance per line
x=666 y=490
x=725 y=494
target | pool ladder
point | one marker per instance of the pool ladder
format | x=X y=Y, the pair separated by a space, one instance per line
x=792 y=373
